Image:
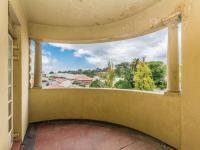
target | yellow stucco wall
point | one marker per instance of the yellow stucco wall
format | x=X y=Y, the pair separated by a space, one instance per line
x=3 y=75
x=17 y=90
x=154 y=114
x=191 y=79
x=24 y=49
x=23 y=99
x=172 y=119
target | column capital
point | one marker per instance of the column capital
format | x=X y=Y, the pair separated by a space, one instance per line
x=172 y=22
x=38 y=40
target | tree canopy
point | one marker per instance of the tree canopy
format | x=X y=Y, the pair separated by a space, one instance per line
x=158 y=70
x=97 y=84
x=143 y=77
x=122 y=84
x=136 y=74
x=110 y=75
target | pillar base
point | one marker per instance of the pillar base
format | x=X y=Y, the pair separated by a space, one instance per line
x=172 y=93
x=36 y=87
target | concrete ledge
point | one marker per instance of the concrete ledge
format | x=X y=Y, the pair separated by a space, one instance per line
x=172 y=93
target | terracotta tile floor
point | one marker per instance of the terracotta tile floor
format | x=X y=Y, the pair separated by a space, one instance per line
x=16 y=145
x=87 y=136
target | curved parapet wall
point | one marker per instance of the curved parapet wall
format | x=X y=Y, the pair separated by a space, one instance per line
x=154 y=114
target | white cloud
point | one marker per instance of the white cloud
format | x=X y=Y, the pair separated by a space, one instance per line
x=48 y=61
x=152 y=46
x=45 y=60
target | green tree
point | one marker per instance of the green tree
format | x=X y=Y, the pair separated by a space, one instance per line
x=125 y=71
x=89 y=73
x=128 y=77
x=143 y=77
x=158 y=70
x=110 y=76
x=122 y=84
x=51 y=72
x=134 y=63
x=119 y=69
x=97 y=84
x=79 y=71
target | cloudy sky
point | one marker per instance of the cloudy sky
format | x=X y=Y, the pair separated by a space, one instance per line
x=57 y=56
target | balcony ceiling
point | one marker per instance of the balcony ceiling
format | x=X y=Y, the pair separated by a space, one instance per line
x=76 y=13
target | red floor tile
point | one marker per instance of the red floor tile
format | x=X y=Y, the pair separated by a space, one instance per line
x=90 y=137
x=16 y=145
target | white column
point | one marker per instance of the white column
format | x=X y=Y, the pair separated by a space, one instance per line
x=173 y=57
x=38 y=65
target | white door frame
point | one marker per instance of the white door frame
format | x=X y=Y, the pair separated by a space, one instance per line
x=10 y=90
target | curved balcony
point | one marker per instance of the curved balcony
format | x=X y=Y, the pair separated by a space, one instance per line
x=157 y=115
x=170 y=117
